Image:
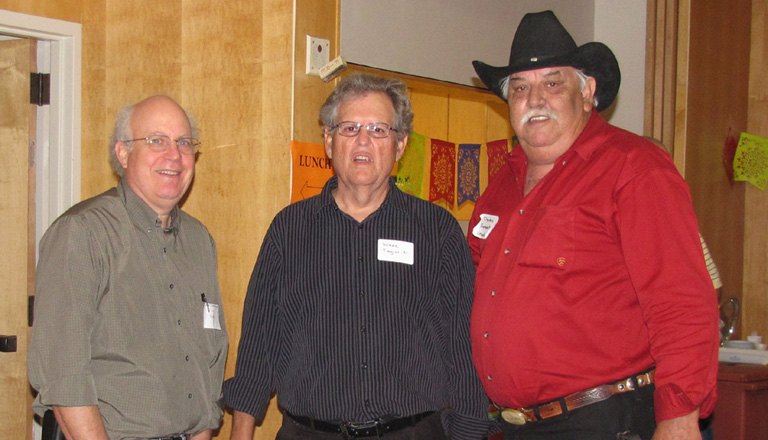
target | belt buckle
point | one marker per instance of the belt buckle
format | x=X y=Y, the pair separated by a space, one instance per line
x=514 y=416
x=349 y=429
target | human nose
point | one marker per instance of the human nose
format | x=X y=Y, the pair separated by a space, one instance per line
x=172 y=150
x=364 y=136
x=536 y=97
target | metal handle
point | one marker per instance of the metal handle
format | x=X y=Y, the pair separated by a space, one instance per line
x=7 y=344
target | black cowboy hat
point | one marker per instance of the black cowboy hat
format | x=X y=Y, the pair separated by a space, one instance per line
x=541 y=41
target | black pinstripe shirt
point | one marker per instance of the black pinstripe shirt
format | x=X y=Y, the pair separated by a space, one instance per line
x=346 y=323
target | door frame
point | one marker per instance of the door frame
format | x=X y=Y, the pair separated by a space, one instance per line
x=59 y=125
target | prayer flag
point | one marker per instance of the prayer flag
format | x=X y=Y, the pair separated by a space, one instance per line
x=469 y=173
x=442 y=179
x=497 y=153
x=410 y=168
x=751 y=161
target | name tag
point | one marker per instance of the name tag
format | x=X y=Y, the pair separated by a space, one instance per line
x=484 y=227
x=211 y=316
x=395 y=251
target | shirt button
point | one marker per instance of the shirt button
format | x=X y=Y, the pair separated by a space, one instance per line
x=493 y=293
x=485 y=335
x=364 y=366
x=489 y=377
x=506 y=251
x=362 y=329
x=179 y=321
x=189 y=396
x=362 y=293
x=522 y=211
x=360 y=258
x=171 y=286
x=186 y=358
x=367 y=402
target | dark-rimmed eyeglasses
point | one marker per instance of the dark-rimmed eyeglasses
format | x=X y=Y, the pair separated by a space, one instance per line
x=351 y=129
x=161 y=142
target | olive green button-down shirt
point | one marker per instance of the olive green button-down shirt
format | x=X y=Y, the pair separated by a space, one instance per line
x=119 y=318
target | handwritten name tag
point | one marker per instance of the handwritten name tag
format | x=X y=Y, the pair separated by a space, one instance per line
x=395 y=251
x=484 y=227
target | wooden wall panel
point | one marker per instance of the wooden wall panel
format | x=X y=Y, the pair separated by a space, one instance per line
x=715 y=78
x=756 y=245
x=60 y=10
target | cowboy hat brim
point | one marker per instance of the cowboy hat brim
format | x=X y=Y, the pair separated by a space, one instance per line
x=594 y=59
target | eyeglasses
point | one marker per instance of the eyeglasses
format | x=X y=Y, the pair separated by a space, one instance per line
x=351 y=129
x=161 y=142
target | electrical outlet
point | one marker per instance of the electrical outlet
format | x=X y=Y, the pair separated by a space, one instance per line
x=318 y=54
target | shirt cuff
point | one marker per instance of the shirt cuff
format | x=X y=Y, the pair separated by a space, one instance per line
x=74 y=390
x=242 y=394
x=670 y=402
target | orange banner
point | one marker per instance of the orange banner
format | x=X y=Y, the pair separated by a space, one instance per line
x=311 y=168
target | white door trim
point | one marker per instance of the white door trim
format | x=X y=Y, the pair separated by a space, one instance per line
x=58 y=151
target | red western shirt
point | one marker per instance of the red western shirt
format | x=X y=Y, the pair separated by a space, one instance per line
x=595 y=275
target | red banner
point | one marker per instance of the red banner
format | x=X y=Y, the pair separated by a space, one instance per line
x=442 y=184
x=497 y=152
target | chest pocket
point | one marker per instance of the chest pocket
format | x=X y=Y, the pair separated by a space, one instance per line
x=550 y=241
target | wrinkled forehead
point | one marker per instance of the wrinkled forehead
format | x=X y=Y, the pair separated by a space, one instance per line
x=553 y=72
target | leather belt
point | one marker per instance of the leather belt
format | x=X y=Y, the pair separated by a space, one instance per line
x=361 y=429
x=172 y=437
x=521 y=416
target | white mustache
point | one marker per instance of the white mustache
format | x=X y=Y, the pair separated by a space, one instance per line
x=537 y=112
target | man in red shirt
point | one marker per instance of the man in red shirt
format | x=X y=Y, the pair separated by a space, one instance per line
x=594 y=316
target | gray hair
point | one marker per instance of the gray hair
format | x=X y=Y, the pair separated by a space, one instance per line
x=504 y=84
x=122 y=132
x=358 y=85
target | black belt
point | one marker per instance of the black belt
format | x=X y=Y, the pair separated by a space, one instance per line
x=361 y=429
x=172 y=437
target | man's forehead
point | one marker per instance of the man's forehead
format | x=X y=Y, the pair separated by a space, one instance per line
x=546 y=72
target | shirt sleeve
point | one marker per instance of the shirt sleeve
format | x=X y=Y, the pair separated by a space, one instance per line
x=251 y=387
x=674 y=290
x=68 y=282
x=467 y=417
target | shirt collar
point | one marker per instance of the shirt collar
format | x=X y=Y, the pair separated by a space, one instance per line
x=140 y=213
x=395 y=197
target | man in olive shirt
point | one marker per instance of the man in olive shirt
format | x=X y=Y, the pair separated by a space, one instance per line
x=129 y=338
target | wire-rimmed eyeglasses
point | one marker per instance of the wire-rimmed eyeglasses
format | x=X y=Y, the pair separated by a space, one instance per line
x=161 y=142
x=352 y=129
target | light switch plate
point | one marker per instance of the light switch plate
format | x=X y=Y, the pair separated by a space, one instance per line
x=318 y=54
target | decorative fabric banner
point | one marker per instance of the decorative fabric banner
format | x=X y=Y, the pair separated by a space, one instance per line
x=410 y=168
x=469 y=173
x=442 y=179
x=497 y=151
x=751 y=161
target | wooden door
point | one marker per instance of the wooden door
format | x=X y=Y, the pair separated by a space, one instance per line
x=17 y=226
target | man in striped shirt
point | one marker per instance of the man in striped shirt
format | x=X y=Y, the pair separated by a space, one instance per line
x=357 y=313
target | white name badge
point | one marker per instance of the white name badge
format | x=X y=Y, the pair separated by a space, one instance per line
x=484 y=227
x=211 y=316
x=396 y=251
